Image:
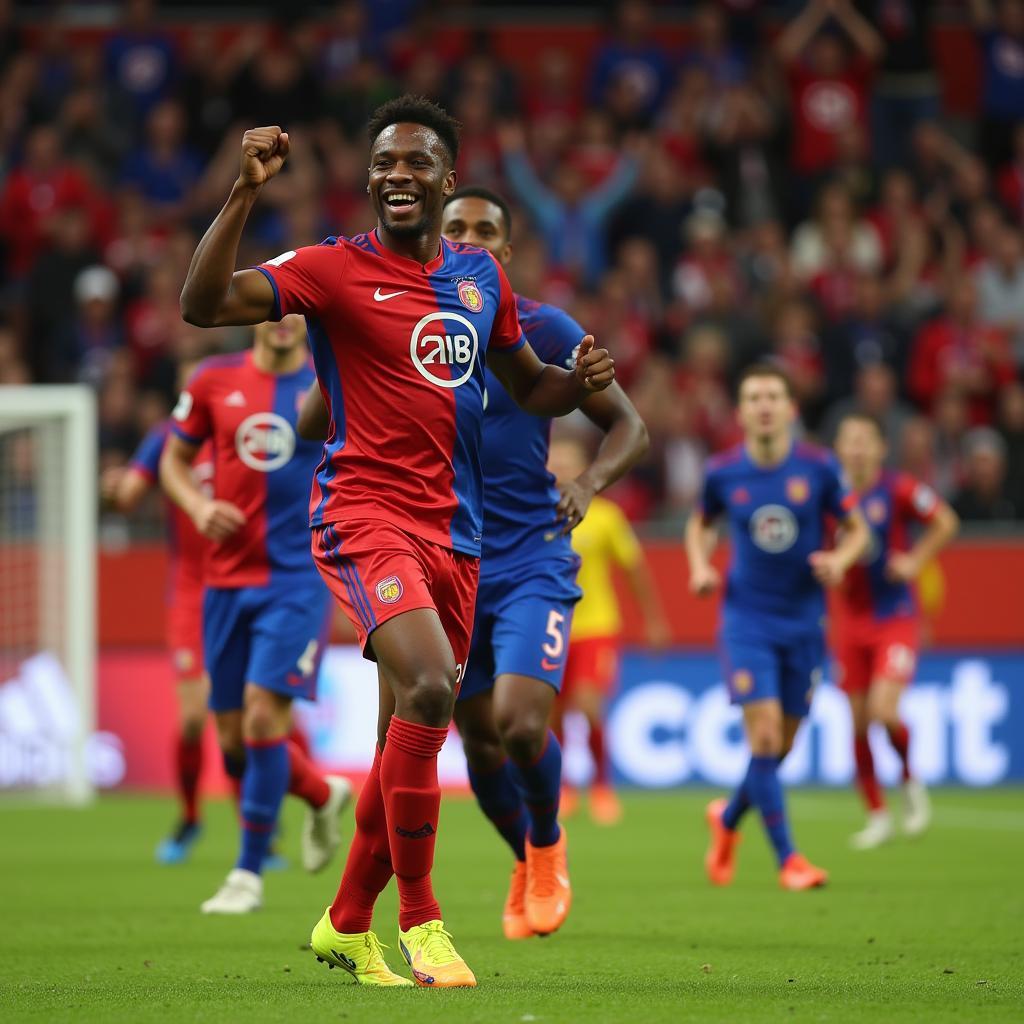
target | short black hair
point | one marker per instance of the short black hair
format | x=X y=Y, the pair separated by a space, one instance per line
x=861 y=416
x=764 y=369
x=410 y=109
x=488 y=196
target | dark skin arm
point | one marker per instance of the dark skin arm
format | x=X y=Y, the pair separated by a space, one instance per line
x=549 y=391
x=314 y=422
x=214 y=293
x=624 y=443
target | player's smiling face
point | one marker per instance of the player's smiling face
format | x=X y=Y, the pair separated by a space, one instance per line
x=284 y=336
x=861 y=450
x=410 y=175
x=766 y=410
x=477 y=221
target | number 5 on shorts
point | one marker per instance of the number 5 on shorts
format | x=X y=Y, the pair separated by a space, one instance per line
x=307 y=662
x=553 y=648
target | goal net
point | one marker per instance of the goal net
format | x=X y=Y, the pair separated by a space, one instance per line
x=48 y=472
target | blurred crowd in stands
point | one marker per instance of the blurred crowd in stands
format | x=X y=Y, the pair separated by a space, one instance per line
x=782 y=185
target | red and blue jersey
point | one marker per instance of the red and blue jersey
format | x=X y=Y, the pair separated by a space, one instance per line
x=777 y=516
x=521 y=537
x=260 y=464
x=399 y=349
x=891 y=507
x=186 y=545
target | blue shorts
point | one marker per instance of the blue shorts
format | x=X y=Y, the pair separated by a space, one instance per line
x=272 y=636
x=517 y=632
x=786 y=670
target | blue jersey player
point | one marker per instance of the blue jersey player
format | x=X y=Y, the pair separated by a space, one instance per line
x=777 y=497
x=265 y=610
x=527 y=592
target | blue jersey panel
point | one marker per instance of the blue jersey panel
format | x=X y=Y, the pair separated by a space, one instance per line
x=521 y=537
x=776 y=517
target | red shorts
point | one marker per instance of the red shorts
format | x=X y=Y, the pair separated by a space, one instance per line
x=869 y=651
x=593 y=662
x=185 y=629
x=377 y=571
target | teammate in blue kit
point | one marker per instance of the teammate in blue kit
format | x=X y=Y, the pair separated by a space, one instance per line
x=527 y=592
x=265 y=611
x=777 y=496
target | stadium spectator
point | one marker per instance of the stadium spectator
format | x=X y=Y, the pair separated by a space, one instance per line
x=85 y=344
x=957 y=351
x=165 y=169
x=631 y=72
x=706 y=260
x=1000 y=280
x=829 y=86
x=1001 y=36
x=712 y=50
x=875 y=393
x=985 y=495
x=1011 y=426
x=140 y=59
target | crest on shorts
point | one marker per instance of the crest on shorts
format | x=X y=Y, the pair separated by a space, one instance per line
x=875 y=510
x=471 y=296
x=798 y=490
x=742 y=682
x=389 y=590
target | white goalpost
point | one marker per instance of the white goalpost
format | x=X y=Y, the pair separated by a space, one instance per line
x=48 y=469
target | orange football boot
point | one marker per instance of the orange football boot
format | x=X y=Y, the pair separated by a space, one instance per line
x=720 y=860
x=513 y=918
x=548 y=893
x=799 y=873
x=605 y=806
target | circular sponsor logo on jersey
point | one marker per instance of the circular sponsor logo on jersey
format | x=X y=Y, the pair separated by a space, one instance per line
x=830 y=106
x=443 y=349
x=265 y=441
x=773 y=528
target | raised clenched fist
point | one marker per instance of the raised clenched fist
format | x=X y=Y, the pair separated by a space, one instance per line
x=264 y=151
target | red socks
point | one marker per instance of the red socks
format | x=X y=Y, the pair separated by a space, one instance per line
x=300 y=739
x=368 y=868
x=189 y=763
x=412 y=801
x=596 y=743
x=866 y=778
x=305 y=780
x=899 y=737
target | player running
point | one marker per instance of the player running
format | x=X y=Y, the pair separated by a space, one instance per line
x=265 y=611
x=777 y=495
x=125 y=487
x=401 y=322
x=603 y=540
x=876 y=626
x=527 y=591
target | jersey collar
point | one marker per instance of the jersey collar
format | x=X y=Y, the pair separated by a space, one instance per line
x=404 y=261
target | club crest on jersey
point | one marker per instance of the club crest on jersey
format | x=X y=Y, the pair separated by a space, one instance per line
x=742 y=682
x=875 y=511
x=798 y=490
x=443 y=348
x=471 y=296
x=265 y=441
x=741 y=496
x=389 y=590
x=773 y=528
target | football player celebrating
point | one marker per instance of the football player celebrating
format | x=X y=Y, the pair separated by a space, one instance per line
x=401 y=322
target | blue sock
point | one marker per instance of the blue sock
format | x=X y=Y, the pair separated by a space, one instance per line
x=765 y=792
x=738 y=805
x=502 y=801
x=263 y=789
x=541 y=782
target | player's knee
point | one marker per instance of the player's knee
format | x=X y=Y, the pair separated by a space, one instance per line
x=766 y=741
x=234 y=762
x=484 y=753
x=192 y=727
x=523 y=735
x=429 y=698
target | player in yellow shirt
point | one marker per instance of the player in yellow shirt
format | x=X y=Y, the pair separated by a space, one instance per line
x=604 y=540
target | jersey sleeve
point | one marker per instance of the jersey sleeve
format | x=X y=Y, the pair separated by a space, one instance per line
x=506 y=334
x=625 y=548
x=556 y=338
x=710 y=504
x=191 y=419
x=915 y=500
x=146 y=460
x=838 y=500
x=304 y=279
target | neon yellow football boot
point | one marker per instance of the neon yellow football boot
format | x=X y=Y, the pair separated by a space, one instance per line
x=429 y=951
x=361 y=954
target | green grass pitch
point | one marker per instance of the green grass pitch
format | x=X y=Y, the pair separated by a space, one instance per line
x=933 y=930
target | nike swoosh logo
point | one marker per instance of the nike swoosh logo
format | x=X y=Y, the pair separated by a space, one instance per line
x=379 y=296
x=549 y=666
